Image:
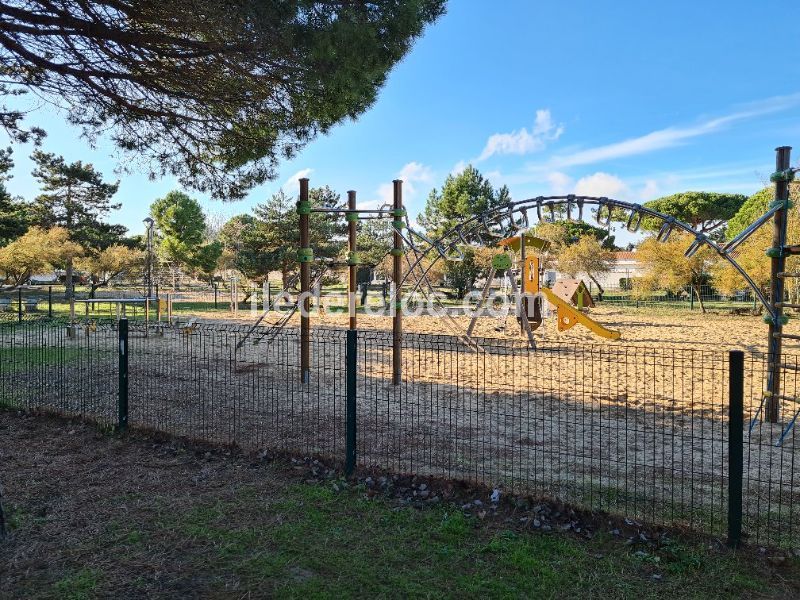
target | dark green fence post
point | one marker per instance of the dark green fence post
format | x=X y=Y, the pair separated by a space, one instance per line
x=50 y=302
x=122 y=400
x=735 y=445
x=350 y=426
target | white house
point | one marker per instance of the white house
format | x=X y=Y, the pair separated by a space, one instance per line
x=625 y=267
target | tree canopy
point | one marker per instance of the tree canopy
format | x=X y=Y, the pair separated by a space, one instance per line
x=180 y=226
x=214 y=93
x=75 y=197
x=704 y=211
x=462 y=196
x=755 y=206
x=36 y=251
x=587 y=255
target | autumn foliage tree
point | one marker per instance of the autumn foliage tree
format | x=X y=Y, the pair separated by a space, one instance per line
x=104 y=265
x=667 y=268
x=588 y=256
x=36 y=251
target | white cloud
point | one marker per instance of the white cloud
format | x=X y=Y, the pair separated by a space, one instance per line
x=650 y=191
x=602 y=184
x=458 y=168
x=413 y=175
x=291 y=185
x=671 y=136
x=560 y=183
x=524 y=141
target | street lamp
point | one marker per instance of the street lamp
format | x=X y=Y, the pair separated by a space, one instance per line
x=148 y=222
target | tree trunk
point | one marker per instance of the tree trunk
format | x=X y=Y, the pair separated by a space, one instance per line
x=600 y=290
x=69 y=290
x=699 y=297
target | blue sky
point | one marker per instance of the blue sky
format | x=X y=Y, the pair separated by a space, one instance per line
x=631 y=100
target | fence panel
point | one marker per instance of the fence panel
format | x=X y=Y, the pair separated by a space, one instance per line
x=194 y=382
x=638 y=432
x=51 y=366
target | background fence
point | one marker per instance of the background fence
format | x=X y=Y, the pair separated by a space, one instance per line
x=638 y=432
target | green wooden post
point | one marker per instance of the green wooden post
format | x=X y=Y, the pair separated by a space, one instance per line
x=122 y=399
x=735 y=445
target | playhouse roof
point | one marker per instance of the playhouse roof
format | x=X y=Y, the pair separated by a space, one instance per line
x=567 y=289
x=531 y=242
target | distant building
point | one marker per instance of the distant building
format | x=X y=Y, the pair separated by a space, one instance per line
x=625 y=267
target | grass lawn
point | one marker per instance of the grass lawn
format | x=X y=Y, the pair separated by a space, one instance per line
x=96 y=515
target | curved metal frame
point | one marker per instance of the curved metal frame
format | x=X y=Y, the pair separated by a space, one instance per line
x=446 y=244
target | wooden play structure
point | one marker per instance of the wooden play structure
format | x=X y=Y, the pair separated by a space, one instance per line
x=522 y=260
x=414 y=255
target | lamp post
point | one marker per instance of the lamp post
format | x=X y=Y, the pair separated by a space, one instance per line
x=148 y=222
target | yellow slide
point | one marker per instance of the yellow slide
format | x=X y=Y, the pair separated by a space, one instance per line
x=569 y=316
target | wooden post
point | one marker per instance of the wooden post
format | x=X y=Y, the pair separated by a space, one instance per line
x=777 y=265
x=303 y=209
x=522 y=303
x=397 y=276
x=352 y=259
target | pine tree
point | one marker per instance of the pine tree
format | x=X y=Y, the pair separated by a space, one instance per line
x=75 y=197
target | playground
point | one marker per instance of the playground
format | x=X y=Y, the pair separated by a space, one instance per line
x=605 y=408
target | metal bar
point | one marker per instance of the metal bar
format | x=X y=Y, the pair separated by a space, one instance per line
x=353 y=267
x=19 y=304
x=305 y=285
x=787 y=305
x=351 y=209
x=122 y=397
x=397 y=276
x=777 y=265
x=750 y=230
x=735 y=445
x=350 y=425
x=788 y=428
x=787 y=336
x=789 y=274
x=484 y=296
x=50 y=302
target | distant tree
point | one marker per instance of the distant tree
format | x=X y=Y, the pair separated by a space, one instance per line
x=242 y=239
x=214 y=93
x=108 y=263
x=462 y=196
x=755 y=206
x=666 y=266
x=74 y=196
x=706 y=212
x=13 y=212
x=180 y=226
x=750 y=255
x=461 y=275
x=36 y=251
x=206 y=258
x=374 y=241
x=588 y=256
x=278 y=231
